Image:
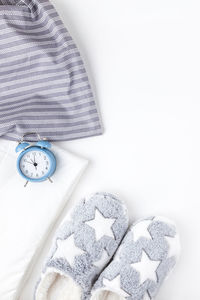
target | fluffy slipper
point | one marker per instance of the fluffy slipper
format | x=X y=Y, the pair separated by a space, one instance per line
x=83 y=246
x=144 y=259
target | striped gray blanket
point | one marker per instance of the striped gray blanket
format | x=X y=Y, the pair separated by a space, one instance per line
x=44 y=87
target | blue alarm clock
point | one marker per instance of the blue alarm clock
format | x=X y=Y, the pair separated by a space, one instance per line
x=35 y=163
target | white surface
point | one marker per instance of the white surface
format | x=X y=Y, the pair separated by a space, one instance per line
x=143 y=58
x=28 y=214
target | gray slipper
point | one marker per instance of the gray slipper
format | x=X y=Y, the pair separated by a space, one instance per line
x=83 y=246
x=144 y=259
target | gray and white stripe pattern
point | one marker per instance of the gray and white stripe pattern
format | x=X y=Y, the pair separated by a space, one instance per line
x=43 y=82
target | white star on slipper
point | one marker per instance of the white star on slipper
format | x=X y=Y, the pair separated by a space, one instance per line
x=147 y=268
x=102 y=261
x=141 y=230
x=67 y=249
x=174 y=246
x=115 y=286
x=101 y=225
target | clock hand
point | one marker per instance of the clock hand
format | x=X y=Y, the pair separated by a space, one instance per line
x=29 y=162
x=32 y=163
x=35 y=165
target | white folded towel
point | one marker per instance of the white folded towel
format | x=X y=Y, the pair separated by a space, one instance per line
x=28 y=214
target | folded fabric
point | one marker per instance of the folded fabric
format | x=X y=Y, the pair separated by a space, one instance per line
x=84 y=244
x=44 y=86
x=28 y=214
x=147 y=254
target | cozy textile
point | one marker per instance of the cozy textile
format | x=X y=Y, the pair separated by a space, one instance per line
x=143 y=261
x=83 y=246
x=28 y=214
x=43 y=82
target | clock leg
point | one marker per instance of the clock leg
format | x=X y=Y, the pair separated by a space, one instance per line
x=26 y=183
x=50 y=180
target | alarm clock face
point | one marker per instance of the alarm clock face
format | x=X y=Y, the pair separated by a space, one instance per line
x=35 y=164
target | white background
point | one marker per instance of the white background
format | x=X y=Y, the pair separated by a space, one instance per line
x=143 y=58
